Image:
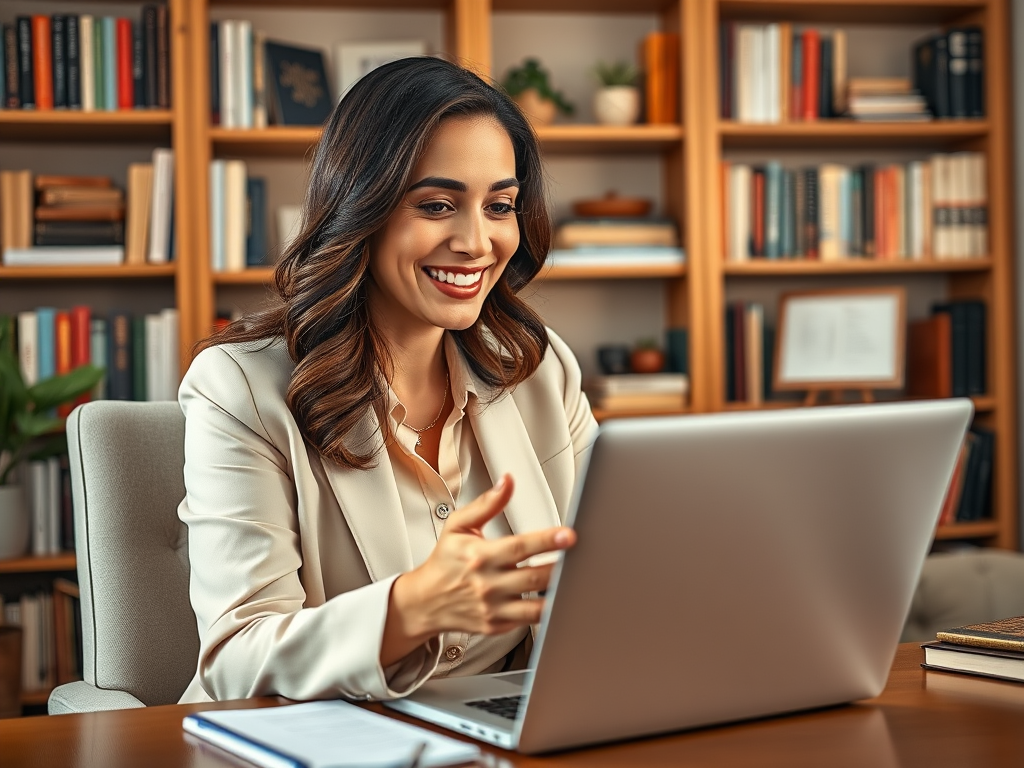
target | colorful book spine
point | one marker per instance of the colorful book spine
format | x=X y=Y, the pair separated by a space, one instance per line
x=125 y=72
x=87 y=45
x=74 y=62
x=46 y=319
x=59 y=48
x=110 y=80
x=12 y=78
x=98 y=66
x=26 y=79
x=42 y=61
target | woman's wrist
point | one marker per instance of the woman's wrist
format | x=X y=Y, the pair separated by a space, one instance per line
x=406 y=627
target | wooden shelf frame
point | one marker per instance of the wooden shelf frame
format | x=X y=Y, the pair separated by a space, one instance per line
x=63 y=561
x=123 y=272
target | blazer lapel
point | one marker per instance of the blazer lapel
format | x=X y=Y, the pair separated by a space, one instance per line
x=506 y=447
x=373 y=510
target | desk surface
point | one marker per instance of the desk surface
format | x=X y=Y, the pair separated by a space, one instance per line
x=923 y=718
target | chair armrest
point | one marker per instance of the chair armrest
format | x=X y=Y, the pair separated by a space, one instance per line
x=84 y=697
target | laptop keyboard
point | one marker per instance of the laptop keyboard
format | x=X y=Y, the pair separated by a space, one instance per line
x=503 y=706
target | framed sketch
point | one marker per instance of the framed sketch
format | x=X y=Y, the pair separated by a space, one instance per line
x=353 y=60
x=841 y=339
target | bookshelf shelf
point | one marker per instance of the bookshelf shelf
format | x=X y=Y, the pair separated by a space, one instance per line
x=792 y=267
x=143 y=125
x=251 y=276
x=275 y=141
x=65 y=561
x=851 y=11
x=88 y=273
x=584 y=6
x=850 y=133
x=597 y=138
x=981 y=529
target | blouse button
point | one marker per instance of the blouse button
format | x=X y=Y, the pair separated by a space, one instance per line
x=442 y=511
x=453 y=653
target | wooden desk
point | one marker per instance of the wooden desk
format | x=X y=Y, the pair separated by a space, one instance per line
x=922 y=718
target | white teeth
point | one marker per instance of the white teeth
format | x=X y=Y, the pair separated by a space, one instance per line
x=454 y=278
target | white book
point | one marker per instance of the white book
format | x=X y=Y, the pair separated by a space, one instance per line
x=28 y=346
x=959 y=184
x=217 y=170
x=739 y=212
x=745 y=65
x=829 y=212
x=159 y=251
x=760 y=77
x=640 y=384
x=773 y=90
x=228 y=96
x=38 y=491
x=171 y=365
x=87 y=55
x=53 y=503
x=615 y=256
x=980 y=177
x=65 y=255
x=915 y=209
x=98 y=353
x=326 y=733
x=154 y=358
x=243 y=72
x=234 y=215
x=940 y=206
x=289 y=219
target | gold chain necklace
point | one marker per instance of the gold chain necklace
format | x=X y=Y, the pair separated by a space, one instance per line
x=431 y=424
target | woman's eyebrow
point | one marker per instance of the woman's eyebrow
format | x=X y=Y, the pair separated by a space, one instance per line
x=440 y=182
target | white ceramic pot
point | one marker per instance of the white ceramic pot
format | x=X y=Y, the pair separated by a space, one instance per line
x=617 y=105
x=14 y=522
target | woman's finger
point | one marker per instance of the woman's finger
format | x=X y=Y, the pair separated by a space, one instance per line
x=509 y=551
x=472 y=517
x=519 y=581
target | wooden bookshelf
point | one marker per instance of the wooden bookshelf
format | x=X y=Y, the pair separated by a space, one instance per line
x=850 y=133
x=791 y=267
x=64 y=561
x=123 y=272
x=143 y=125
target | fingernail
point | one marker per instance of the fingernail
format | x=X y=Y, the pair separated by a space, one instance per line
x=501 y=483
x=562 y=538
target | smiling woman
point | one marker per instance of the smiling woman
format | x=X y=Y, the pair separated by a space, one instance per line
x=352 y=451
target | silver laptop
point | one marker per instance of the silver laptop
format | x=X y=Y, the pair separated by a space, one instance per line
x=728 y=566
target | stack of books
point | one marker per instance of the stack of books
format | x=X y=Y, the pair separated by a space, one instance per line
x=616 y=241
x=639 y=391
x=238 y=217
x=51 y=640
x=925 y=209
x=53 y=220
x=86 y=62
x=773 y=73
x=892 y=99
x=78 y=210
x=990 y=649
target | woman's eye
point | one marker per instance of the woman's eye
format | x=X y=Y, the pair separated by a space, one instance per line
x=502 y=209
x=436 y=207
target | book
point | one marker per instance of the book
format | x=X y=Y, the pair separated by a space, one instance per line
x=297 y=84
x=140 y=202
x=323 y=733
x=639 y=384
x=75 y=233
x=234 y=215
x=80 y=213
x=256 y=228
x=80 y=195
x=1003 y=634
x=571 y=233
x=987 y=662
x=42 y=61
x=87 y=66
x=59 y=48
x=159 y=250
x=64 y=255
x=124 y=66
x=119 y=350
x=607 y=256
x=929 y=357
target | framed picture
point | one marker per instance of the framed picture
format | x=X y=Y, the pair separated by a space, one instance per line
x=841 y=339
x=353 y=60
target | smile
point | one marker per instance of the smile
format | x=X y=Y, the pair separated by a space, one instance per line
x=454 y=278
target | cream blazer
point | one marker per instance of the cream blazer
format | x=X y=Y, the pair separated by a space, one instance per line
x=293 y=556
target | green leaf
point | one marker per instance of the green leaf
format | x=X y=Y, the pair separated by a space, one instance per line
x=58 y=390
x=32 y=424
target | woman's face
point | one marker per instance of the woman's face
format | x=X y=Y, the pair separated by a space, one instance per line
x=449 y=240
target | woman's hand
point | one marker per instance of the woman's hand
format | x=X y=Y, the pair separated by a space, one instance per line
x=469 y=583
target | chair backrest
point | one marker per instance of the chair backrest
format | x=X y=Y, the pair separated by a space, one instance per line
x=138 y=629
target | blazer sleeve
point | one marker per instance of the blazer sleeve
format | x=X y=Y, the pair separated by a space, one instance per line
x=257 y=637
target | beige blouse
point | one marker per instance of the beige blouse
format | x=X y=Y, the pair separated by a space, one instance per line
x=428 y=497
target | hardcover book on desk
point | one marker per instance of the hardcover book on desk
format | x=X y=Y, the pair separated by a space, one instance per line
x=991 y=649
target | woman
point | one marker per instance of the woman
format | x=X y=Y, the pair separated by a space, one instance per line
x=341 y=447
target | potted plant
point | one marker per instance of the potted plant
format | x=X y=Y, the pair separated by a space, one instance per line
x=529 y=85
x=29 y=431
x=617 y=101
x=646 y=357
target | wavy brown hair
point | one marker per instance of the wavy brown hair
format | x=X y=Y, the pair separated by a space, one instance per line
x=360 y=173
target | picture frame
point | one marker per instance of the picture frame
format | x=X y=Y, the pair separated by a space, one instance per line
x=851 y=338
x=353 y=60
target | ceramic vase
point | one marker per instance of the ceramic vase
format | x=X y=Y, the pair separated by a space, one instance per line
x=541 y=111
x=14 y=522
x=617 y=105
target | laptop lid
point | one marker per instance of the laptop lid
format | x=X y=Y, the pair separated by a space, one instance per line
x=731 y=566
